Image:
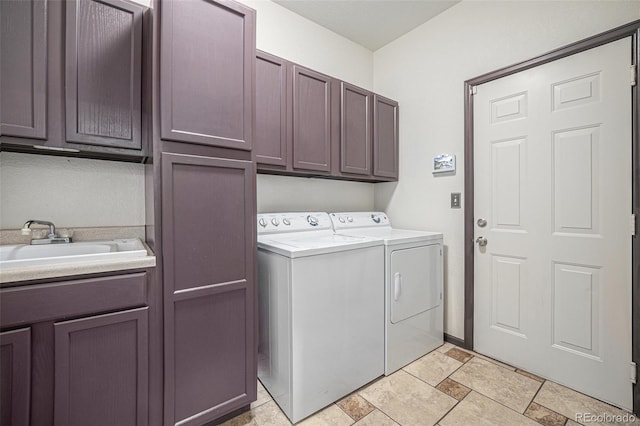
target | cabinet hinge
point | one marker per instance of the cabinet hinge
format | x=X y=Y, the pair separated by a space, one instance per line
x=473 y=90
x=634 y=74
x=634 y=225
x=634 y=373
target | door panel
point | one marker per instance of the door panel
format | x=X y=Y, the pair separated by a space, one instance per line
x=15 y=380
x=207 y=70
x=271 y=120
x=101 y=370
x=385 y=137
x=23 y=69
x=355 y=125
x=552 y=160
x=104 y=73
x=311 y=120
x=209 y=296
x=414 y=276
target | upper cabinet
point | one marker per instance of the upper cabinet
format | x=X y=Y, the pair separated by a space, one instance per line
x=311 y=120
x=23 y=69
x=71 y=77
x=310 y=124
x=385 y=137
x=271 y=109
x=103 y=73
x=355 y=130
x=207 y=62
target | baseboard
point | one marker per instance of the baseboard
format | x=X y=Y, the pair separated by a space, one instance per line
x=454 y=340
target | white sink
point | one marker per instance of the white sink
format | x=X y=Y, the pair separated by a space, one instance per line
x=23 y=255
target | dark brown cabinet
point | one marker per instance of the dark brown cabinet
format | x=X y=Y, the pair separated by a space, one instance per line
x=101 y=370
x=271 y=110
x=385 y=137
x=201 y=189
x=311 y=120
x=103 y=73
x=310 y=124
x=209 y=297
x=77 y=351
x=71 y=78
x=206 y=72
x=355 y=130
x=15 y=377
x=23 y=69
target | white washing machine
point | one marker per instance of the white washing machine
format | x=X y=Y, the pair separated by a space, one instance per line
x=321 y=311
x=413 y=285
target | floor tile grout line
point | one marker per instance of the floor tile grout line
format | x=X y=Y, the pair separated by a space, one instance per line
x=454 y=406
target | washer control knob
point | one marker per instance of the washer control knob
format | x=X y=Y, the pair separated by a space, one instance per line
x=275 y=221
x=313 y=221
x=262 y=222
x=375 y=218
x=286 y=221
x=349 y=219
x=341 y=219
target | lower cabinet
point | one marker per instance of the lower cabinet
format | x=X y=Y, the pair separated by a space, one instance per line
x=101 y=370
x=15 y=377
x=63 y=362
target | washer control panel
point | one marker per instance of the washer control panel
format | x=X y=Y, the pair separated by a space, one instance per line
x=359 y=219
x=269 y=223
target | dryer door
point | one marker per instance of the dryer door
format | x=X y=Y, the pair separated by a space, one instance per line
x=415 y=278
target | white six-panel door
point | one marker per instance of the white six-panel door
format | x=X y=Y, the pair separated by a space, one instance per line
x=553 y=167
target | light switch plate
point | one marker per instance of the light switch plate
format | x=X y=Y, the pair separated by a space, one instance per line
x=455 y=200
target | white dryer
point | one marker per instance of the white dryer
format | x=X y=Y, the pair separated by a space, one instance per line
x=321 y=311
x=413 y=285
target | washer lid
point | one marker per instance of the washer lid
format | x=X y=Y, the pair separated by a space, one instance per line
x=392 y=236
x=301 y=244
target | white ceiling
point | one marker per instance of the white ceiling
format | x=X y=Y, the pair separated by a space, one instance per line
x=370 y=23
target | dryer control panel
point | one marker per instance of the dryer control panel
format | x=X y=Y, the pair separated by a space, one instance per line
x=271 y=223
x=345 y=220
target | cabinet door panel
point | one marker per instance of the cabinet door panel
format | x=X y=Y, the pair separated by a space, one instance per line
x=311 y=120
x=208 y=250
x=207 y=70
x=101 y=370
x=385 y=137
x=270 y=131
x=355 y=135
x=23 y=69
x=103 y=73
x=15 y=377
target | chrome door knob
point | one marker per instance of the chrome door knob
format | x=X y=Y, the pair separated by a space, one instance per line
x=482 y=223
x=482 y=241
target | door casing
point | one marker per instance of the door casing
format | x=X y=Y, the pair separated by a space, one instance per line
x=629 y=30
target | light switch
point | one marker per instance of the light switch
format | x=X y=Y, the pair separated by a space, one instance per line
x=455 y=200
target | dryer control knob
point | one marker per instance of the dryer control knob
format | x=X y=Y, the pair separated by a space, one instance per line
x=275 y=221
x=349 y=219
x=286 y=221
x=262 y=222
x=313 y=221
x=341 y=219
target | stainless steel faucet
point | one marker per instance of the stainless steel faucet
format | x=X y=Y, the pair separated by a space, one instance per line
x=52 y=238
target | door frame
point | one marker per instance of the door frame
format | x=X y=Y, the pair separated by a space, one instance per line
x=632 y=30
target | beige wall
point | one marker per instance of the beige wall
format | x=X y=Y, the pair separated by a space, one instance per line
x=425 y=69
x=290 y=36
x=70 y=192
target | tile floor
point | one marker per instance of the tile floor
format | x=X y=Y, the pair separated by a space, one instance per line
x=447 y=387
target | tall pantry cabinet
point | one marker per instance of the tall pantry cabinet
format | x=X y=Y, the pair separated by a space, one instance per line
x=201 y=188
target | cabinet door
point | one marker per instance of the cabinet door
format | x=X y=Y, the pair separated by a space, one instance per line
x=15 y=377
x=23 y=69
x=208 y=211
x=355 y=130
x=207 y=65
x=270 y=131
x=385 y=137
x=101 y=370
x=103 y=73
x=311 y=120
